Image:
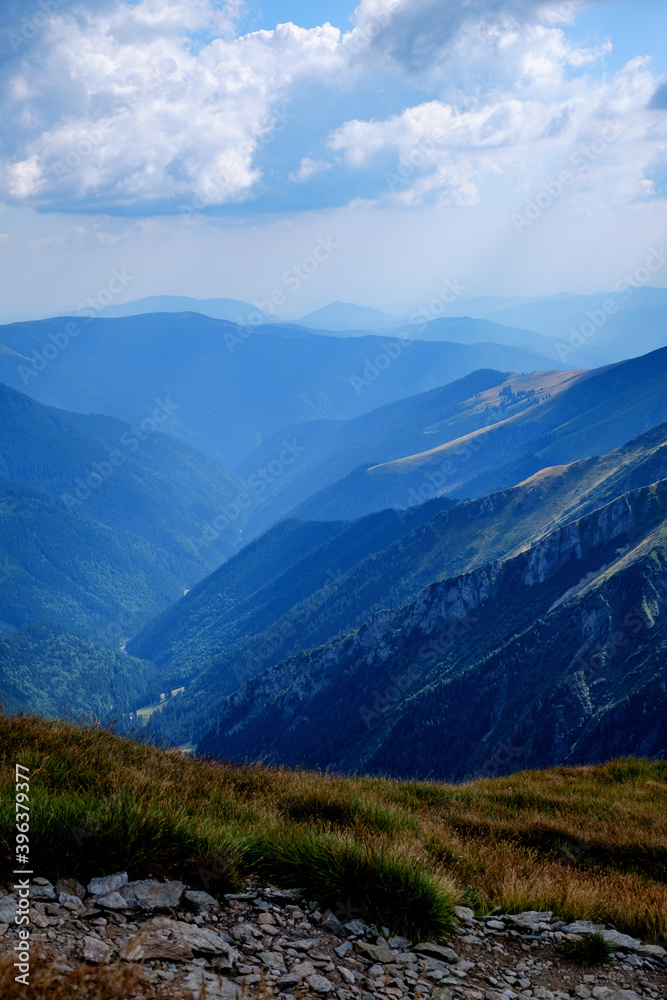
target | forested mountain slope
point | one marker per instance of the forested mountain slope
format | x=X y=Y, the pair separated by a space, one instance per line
x=555 y=654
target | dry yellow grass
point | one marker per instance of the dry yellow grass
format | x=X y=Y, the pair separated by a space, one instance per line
x=586 y=842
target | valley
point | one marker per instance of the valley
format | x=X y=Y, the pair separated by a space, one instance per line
x=333 y=500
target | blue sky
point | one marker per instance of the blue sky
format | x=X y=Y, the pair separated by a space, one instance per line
x=205 y=149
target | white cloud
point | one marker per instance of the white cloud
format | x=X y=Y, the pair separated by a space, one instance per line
x=158 y=106
x=523 y=121
x=416 y=33
x=4 y=237
x=128 y=109
x=308 y=169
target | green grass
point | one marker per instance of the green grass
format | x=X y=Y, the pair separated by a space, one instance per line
x=383 y=889
x=588 y=843
x=591 y=950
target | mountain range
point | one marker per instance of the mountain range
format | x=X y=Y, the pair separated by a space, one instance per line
x=234 y=386
x=355 y=551
x=196 y=645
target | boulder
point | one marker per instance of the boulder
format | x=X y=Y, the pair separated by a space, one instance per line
x=108 y=883
x=200 y=902
x=376 y=952
x=621 y=941
x=148 y=894
x=439 y=951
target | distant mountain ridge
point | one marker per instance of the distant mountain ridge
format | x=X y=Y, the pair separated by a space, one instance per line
x=234 y=310
x=234 y=387
x=348 y=316
x=507 y=655
x=594 y=412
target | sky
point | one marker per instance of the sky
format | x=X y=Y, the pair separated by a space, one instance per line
x=218 y=148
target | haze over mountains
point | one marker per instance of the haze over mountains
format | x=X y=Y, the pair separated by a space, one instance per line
x=233 y=387
x=274 y=520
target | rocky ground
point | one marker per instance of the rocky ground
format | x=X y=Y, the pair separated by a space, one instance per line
x=272 y=942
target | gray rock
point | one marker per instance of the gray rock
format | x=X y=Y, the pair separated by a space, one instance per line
x=376 y=952
x=495 y=925
x=71 y=886
x=621 y=941
x=206 y=942
x=356 y=927
x=438 y=951
x=216 y=989
x=405 y=958
x=70 y=902
x=583 y=927
x=320 y=984
x=112 y=901
x=464 y=965
x=303 y=969
x=8 y=905
x=107 y=884
x=95 y=950
x=149 y=895
x=272 y=960
x=288 y=981
x=332 y=925
x=609 y=993
x=464 y=913
x=400 y=943
x=200 y=902
x=158 y=938
x=653 y=950
x=346 y=974
x=42 y=890
x=530 y=919
x=38 y=919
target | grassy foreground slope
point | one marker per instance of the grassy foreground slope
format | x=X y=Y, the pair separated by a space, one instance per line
x=585 y=842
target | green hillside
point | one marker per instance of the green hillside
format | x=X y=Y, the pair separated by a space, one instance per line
x=61 y=675
x=551 y=653
x=131 y=478
x=69 y=569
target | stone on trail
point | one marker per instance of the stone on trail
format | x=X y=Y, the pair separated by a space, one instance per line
x=438 y=951
x=320 y=984
x=113 y=901
x=147 y=894
x=95 y=950
x=200 y=902
x=108 y=883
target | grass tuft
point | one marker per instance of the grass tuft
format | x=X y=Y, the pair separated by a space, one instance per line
x=352 y=879
x=591 y=950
